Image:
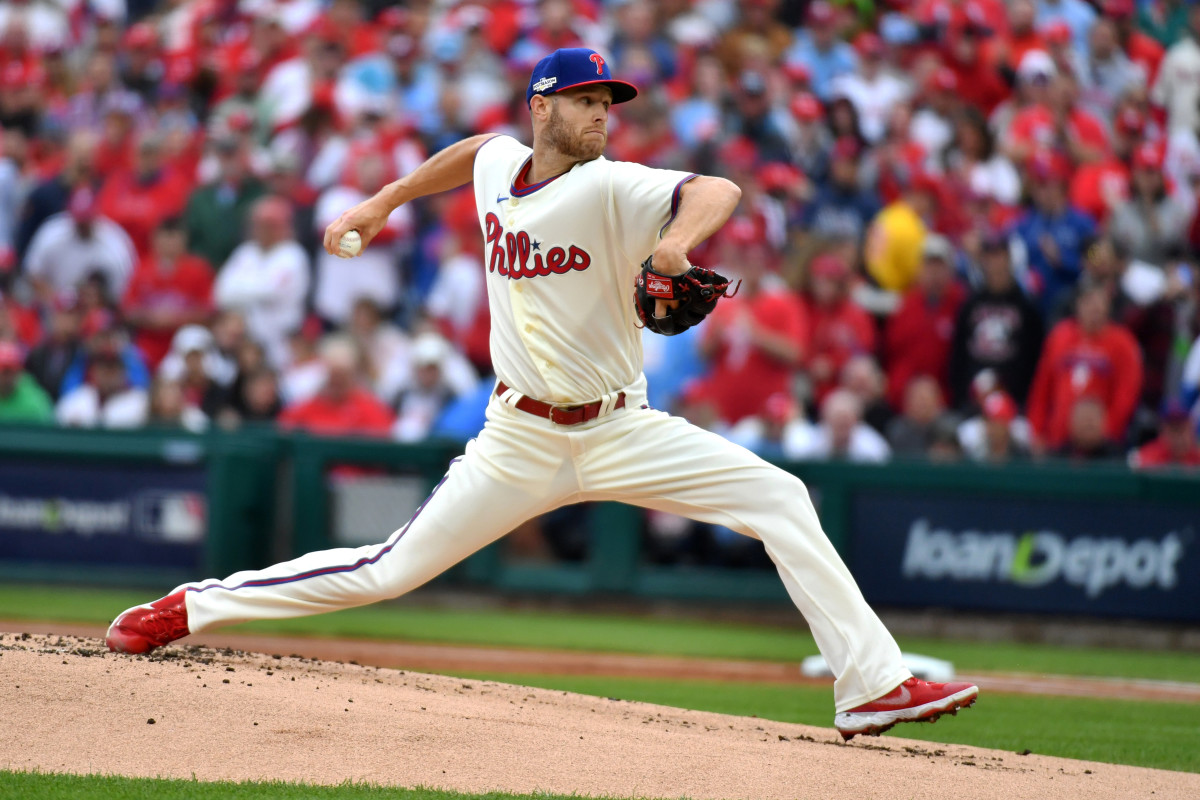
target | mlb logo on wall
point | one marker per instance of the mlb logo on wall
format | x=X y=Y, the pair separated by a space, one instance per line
x=176 y=517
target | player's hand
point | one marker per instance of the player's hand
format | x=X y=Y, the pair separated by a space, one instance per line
x=368 y=218
x=669 y=260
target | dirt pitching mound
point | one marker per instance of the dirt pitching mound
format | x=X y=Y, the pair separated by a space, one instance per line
x=224 y=714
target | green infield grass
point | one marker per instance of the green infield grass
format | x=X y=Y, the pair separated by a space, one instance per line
x=56 y=786
x=1146 y=734
x=611 y=633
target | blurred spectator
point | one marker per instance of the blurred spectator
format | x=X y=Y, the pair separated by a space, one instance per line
x=998 y=328
x=169 y=289
x=192 y=365
x=52 y=195
x=18 y=322
x=1166 y=20
x=998 y=434
x=812 y=142
x=1053 y=122
x=1143 y=50
x=872 y=88
x=1086 y=357
x=74 y=244
x=1176 y=88
x=375 y=272
x=819 y=49
x=861 y=374
x=837 y=327
x=757 y=338
x=1052 y=231
x=457 y=301
x=342 y=407
x=1098 y=187
x=380 y=340
x=1087 y=436
x=103 y=334
x=1176 y=443
x=419 y=405
x=217 y=212
x=841 y=209
x=779 y=431
x=169 y=408
x=638 y=29
x=758 y=29
x=21 y=399
x=106 y=399
x=49 y=361
x=141 y=197
x=1153 y=222
x=754 y=119
x=1104 y=71
x=978 y=80
x=912 y=433
x=919 y=335
x=1077 y=14
x=973 y=160
x=305 y=372
x=1008 y=47
x=400 y=374
x=255 y=400
x=842 y=435
x=266 y=278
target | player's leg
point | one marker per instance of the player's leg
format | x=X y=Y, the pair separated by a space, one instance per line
x=651 y=459
x=506 y=476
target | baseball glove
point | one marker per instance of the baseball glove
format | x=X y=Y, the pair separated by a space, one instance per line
x=697 y=291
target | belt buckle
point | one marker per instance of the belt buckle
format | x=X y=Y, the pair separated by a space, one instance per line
x=556 y=410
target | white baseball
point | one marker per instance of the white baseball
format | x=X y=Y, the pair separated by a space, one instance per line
x=350 y=244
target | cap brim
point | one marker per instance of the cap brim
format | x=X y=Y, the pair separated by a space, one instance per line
x=622 y=92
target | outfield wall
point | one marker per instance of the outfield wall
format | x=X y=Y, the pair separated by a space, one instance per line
x=156 y=508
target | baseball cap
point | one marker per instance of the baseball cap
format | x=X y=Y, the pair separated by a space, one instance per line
x=1131 y=122
x=575 y=66
x=828 y=265
x=821 y=12
x=10 y=356
x=1057 y=32
x=868 y=44
x=190 y=338
x=1036 y=64
x=999 y=406
x=807 y=108
x=1149 y=155
x=943 y=79
x=938 y=246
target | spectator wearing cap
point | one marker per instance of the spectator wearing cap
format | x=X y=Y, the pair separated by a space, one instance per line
x=170 y=289
x=1098 y=187
x=1176 y=89
x=217 y=212
x=922 y=410
x=1153 y=222
x=811 y=141
x=21 y=399
x=978 y=80
x=1055 y=123
x=841 y=434
x=267 y=278
x=1077 y=14
x=1087 y=437
x=755 y=120
x=840 y=209
x=1086 y=357
x=999 y=434
x=1175 y=445
x=818 y=48
x=872 y=87
x=106 y=399
x=1007 y=49
x=1059 y=45
x=419 y=405
x=757 y=340
x=1052 y=231
x=1141 y=48
x=52 y=195
x=777 y=432
x=1104 y=71
x=932 y=123
x=973 y=160
x=140 y=67
x=998 y=329
x=373 y=273
x=140 y=198
x=76 y=243
x=918 y=336
x=195 y=366
x=838 y=329
x=342 y=407
x=102 y=333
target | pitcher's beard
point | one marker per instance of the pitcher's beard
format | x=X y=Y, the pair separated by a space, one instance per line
x=559 y=137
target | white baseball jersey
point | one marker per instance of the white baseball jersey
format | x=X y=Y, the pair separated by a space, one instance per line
x=564 y=326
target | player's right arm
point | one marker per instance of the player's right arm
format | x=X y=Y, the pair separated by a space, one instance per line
x=445 y=170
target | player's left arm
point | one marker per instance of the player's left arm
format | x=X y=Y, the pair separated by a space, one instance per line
x=705 y=203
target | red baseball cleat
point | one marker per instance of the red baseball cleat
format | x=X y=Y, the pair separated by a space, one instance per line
x=914 y=700
x=143 y=628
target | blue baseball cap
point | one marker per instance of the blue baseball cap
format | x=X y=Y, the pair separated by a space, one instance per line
x=575 y=66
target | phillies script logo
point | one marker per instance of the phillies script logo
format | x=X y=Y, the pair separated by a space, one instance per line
x=515 y=256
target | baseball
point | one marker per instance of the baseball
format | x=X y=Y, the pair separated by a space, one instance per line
x=350 y=244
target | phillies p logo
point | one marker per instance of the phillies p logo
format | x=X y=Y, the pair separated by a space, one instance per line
x=598 y=60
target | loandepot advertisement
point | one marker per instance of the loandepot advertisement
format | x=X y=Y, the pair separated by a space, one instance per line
x=147 y=516
x=1107 y=558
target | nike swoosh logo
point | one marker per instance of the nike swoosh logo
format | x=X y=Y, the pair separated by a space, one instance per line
x=904 y=698
x=500 y=199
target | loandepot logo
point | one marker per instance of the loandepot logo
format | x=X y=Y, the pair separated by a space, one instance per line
x=58 y=515
x=1037 y=558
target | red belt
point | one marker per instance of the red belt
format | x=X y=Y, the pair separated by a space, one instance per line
x=561 y=415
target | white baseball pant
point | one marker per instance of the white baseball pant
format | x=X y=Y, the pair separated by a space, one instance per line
x=521 y=465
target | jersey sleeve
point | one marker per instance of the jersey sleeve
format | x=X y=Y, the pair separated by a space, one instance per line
x=644 y=202
x=501 y=151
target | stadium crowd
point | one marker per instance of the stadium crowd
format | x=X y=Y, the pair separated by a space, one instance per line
x=969 y=228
